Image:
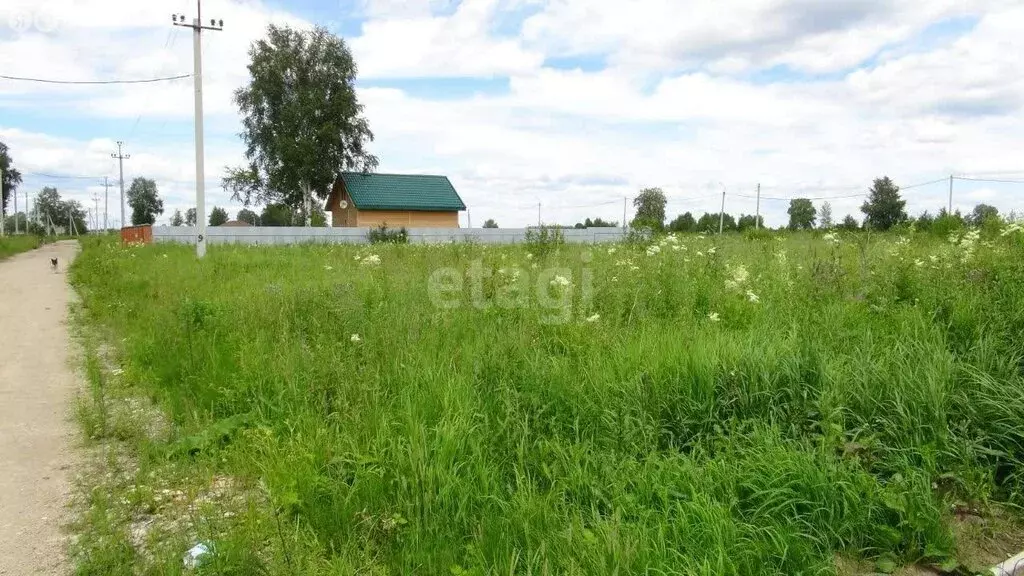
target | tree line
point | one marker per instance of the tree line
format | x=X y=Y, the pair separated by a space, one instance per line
x=883 y=210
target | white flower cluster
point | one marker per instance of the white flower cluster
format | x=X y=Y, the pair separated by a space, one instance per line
x=653 y=250
x=738 y=277
x=967 y=242
x=831 y=238
x=371 y=260
x=1017 y=226
x=560 y=281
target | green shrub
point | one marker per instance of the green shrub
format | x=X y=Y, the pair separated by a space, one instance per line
x=384 y=235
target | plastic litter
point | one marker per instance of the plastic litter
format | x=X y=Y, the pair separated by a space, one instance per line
x=196 y=555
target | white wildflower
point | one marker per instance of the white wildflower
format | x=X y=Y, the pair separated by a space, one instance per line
x=678 y=248
x=529 y=256
x=594 y=318
x=831 y=238
x=713 y=316
x=611 y=250
x=371 y=260
x=560 y=281
x=672 y=239
x=355 y=339
x=752 y=297
x=652 y=250
x=634 y=268
x=699 y=253
x=712 y=250
x=357 y=257
x=328 y=268
x=615 y=278
x=738 y=278
x=919 y=263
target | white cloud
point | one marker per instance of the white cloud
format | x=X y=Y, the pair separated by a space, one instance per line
x=438 y=46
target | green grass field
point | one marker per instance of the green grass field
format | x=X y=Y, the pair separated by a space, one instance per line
x=11 y=245
x=697 y=406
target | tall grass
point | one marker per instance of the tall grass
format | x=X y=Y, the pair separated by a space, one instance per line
x=11 y=245
x=701 y=406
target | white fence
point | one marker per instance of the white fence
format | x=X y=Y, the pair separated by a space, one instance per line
x=299 y=235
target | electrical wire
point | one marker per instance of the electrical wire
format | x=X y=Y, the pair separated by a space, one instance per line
x=94 y=82
x=930 y=182
x=988 y=180
x=63 y=176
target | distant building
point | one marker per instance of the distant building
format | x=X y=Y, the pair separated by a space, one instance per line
x=411 y=200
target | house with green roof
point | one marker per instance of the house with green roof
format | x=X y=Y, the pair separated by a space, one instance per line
x=396 y=200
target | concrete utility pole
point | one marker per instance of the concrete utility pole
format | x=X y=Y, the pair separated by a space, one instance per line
x=96 y=211
x=26 y=211
x=120 y=162
x=3 y=208
x=469 y=218
x=950 y=194
x=538 y=215
x=757 y=217
x=106 y=200
x=721 y=215
x=15 y=213
x=625 y=199
x=197 y=81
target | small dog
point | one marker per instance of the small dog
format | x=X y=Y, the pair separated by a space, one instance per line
x=53 y=264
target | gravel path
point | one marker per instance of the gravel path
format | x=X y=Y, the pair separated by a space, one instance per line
x=37 y=384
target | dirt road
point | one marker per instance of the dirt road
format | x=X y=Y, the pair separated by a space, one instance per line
x=37 y=385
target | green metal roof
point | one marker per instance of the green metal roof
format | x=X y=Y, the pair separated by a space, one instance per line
x=401 y=192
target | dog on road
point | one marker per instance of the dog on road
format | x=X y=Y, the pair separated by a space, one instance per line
x=53 y=264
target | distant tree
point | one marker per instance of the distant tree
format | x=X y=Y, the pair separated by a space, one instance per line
x=849 y=223
x=884 y=207
x=490 y=223
x=190 y=217
x=246 y=215
x=801 y=214
x=748 y=221
x=683 y=223
x=144 y=201
x=924 y=222
x=218 y=216
x=650 y=209
x=708 y=223
x=983 y=213
x=302 y=122
x=62 y=213
x=825 y=217
x=11 y=176
x=277 y=215
x=177 y=219
x=596 y=223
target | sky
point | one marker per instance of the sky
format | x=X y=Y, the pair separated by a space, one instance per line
x=572 y=105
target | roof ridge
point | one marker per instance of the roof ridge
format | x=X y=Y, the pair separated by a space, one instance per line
x=392 y=174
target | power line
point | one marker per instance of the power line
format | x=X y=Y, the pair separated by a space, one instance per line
x=929 y=183
x=988 y=180
x=63 y=176
x=140 y=81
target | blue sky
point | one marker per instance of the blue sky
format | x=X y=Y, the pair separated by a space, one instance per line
x=570 y=103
